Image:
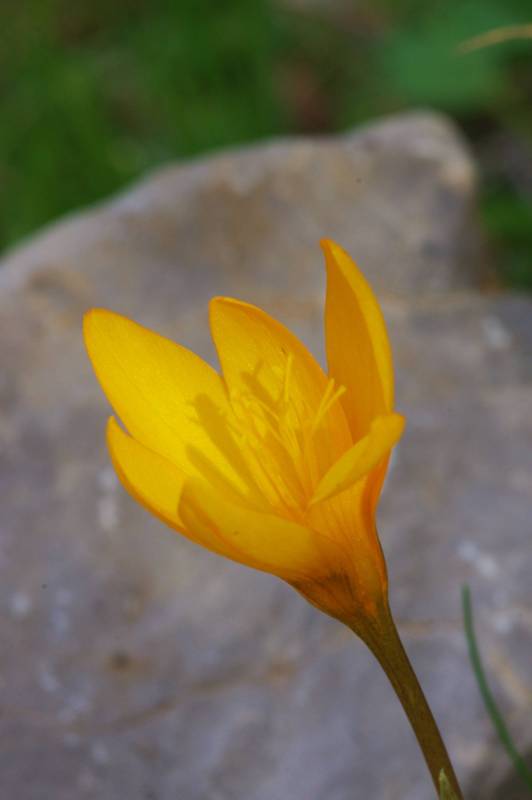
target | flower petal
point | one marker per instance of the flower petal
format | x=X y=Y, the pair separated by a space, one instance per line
x=168 y=398
x=358 y=349
x=254 y=350
x=261 y=356
x=152 y=480
x=261 y=540
x=362 y=458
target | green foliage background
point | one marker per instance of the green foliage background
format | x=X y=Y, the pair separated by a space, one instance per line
x=92 y=94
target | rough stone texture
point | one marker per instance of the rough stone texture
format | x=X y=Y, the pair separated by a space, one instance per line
x=399 y=194
x=134 y=664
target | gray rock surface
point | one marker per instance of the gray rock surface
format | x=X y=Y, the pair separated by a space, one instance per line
x=135 y=665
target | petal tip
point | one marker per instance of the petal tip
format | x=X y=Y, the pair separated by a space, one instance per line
x=93 y=317
x=328 y=245
x=222 y=300
x=391 y=425
x=88 y=319
x=400 y=423
x=93 y=313
x=217 y=303
x=331 y=246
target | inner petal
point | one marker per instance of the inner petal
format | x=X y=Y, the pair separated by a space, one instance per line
x=362 y=457
x=280 y=396
x=282 y=447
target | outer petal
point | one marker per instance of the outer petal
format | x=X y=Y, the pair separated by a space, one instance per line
x=259 y=355
x=358 y=349
x=168 y=398
x=362 y=458
x=153 y=482
x=264 y=541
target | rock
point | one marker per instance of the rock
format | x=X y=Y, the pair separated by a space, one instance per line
x=137 y=665
x=399 y=195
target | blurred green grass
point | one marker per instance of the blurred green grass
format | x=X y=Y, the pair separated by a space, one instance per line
x=95 y=93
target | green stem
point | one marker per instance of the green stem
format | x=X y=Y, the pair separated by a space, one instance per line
x=489 y=700
x=383 y=640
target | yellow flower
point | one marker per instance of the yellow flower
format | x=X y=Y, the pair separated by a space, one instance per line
x=271 y=463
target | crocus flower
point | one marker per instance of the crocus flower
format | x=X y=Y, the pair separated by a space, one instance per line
x=272 y=462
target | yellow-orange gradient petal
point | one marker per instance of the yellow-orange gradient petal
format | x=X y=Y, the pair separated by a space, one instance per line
x=168 y=398
x=261 y=540
x=362 y=458
x=258 y=353
x=358 y=349
x=152 y=480
x=155 y=483
x=261 y=357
